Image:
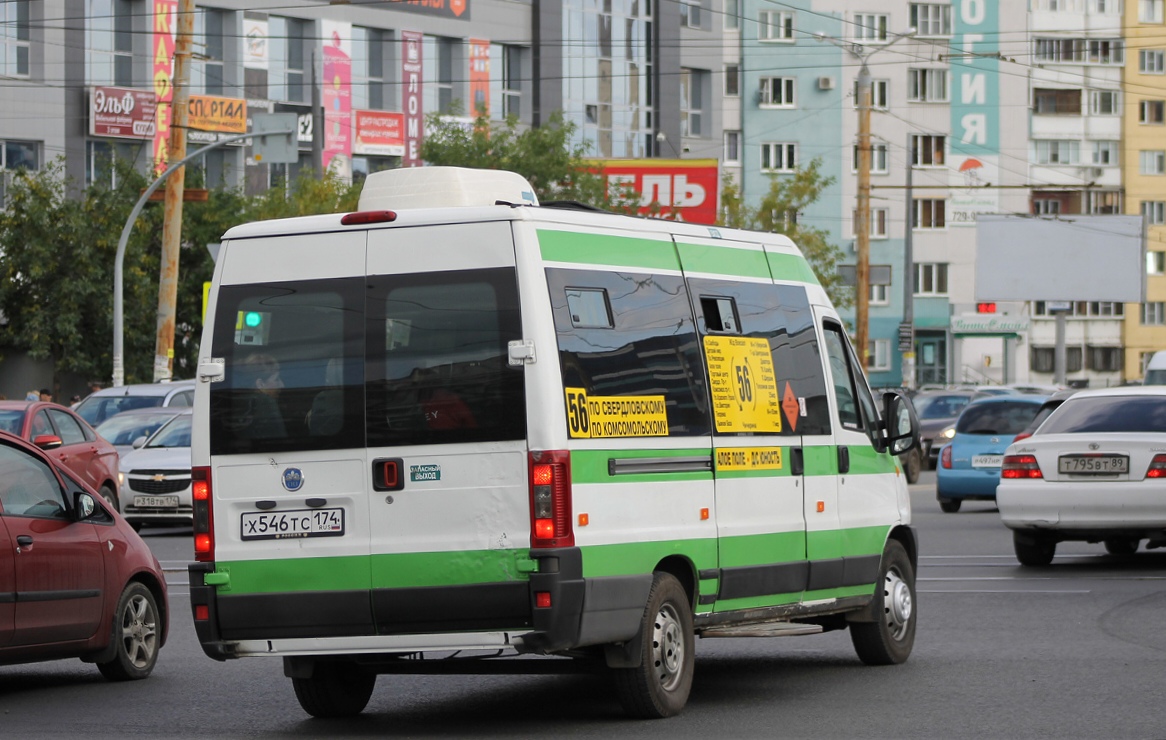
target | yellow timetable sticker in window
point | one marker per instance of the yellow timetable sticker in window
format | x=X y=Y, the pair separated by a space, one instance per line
x=743 y=384
x=598 y=417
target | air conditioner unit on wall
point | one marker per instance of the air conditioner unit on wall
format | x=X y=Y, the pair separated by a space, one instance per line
x=825 y=83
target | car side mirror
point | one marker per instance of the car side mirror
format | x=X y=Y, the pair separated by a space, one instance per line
x=84 y=507
x=47 y=441
x=901 y=425
x=139 y=442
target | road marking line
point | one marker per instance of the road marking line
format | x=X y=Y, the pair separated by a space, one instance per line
x=1002 y=591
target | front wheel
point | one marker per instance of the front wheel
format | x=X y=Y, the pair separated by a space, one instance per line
x=660 y=685
x=912 y=465
x=1033 y=548
x=888 y=640
x=135 y=635
x=335 y=690
x=1122 y=545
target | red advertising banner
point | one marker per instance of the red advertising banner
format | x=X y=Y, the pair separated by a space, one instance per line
x=686 y=188
x=164 y=12
x=379 y=133
x=121 y=112
x=459 y=9
x=337 y=97
x=479 y=78
x=411 y=68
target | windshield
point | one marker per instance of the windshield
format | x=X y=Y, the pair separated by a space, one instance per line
x=1155 y=377
x=176 y=433
x=96 y=409
x=123 y=429
x=1108 y=414
x=940 y=407
x=12 y=421
x=996 y=418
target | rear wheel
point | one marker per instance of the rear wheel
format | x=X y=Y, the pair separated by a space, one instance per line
x=1122 y=546
x=889 y=639
x=135 y=636
x=660 y=685
x=1033 y=548
x=912 y=465
x=335 y=690
x=949 y=505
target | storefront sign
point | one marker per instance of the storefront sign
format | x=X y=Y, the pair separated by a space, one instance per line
x=459 y=9
x=121 y=112
x=979 y=323
x=337 y=98
x=212 y=113
x=411 y=68
x=685 y=189
x=379 y=133
x=164 y=13
x=479 y=77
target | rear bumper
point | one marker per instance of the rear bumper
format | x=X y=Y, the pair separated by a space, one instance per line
x=967 y=482
x=1114 y=507
x=477 y=616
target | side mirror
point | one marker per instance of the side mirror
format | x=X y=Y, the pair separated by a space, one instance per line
x=902 y=426
x=84 y=506
x=47 y=441
x=137 y=443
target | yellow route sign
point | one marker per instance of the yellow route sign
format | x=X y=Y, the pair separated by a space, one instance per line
x=596 y=417
x=743 y=384
x=748 y=458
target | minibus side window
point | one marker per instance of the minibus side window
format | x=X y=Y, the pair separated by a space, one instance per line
x=856 y=408
x=649 y=350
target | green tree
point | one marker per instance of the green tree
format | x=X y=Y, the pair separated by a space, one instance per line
x=778 y=212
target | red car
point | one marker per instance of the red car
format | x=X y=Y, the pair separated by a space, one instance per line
x=67 y=438
x=76 y=581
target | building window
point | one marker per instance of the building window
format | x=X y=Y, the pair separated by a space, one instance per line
x=1059 y=51
x=505 y=81
x=692 y=85
x=1105 y=7
x=438 y=54
x=1104 y=359
x=1154 y=313
x=880 y=295
x=879 y=217
x=775 y=25
x=286 y=46
x=779 y=157
x=15 y=155
x=878 y=159
x=1083 y=309
x=1056 y=102
x=1057 y=151
x=927 y=85
x=1155 y=263
x=14 y=38
x=1152 y=61
x=778 y=92
x=690 y=13
x=1154 y=211
x=1106 y=51
x=1044 y=358
x=878 y=357
x=879 y=94
x=1152 y=162
x=1105 y=153
x=1046 y=206
x=732 y=147
x=1151 y=111
x=368 y=70
x=1149 y=11
x=870 y=26
x=928 y=150
x=207 y=67
x=732 y=80
x=732 y=15
x=109 y=42
x=931 y=20
x=930 y=278
x=928 y=213
x=1103 y=202
x=1105 y=102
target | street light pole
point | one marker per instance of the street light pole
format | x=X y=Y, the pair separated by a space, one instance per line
x=862 y=219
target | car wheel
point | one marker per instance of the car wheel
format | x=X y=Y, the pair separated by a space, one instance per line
x=1033 y=548
x=889 y=639
x=335 y=690
x=135 y=636
x=949 y=505
x=912 y=465
x=660 y=685
x=1122 y=546
x=110 y=497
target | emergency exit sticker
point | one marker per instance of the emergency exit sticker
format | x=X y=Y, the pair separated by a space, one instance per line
x=598 y=417
x=424 y=472
x=743 y=385
x=748 y=458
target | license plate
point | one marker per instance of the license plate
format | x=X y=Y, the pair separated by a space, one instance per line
x=156 y=502
x=987 y=461
x=1093 y=464
x=278 y=525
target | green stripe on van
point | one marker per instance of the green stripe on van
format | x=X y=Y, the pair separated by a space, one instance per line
x=723 y=260
x=603 y=249
x=791 y=267
x=641 y=557
x=590 y=466
x=840 y=543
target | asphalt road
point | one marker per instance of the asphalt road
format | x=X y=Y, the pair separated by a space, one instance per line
x=1074 y=650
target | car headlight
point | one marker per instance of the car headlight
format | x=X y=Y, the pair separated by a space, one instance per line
x=948 y=433
x=121 y=478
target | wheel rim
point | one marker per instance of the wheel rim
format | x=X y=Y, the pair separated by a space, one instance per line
x=897 y=604
x=668 y=647
x=139 y=633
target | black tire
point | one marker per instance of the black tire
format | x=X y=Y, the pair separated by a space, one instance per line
x=335 y=690
x=889 y=639
x=110 y=497
x=135 y=636
x=949 y=505
x=1122 y=545
x=913 y=465
x=1033 y=549
x=659 y=687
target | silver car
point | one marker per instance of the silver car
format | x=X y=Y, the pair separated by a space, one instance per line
x=155 y=477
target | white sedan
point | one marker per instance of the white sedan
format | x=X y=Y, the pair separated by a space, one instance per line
x=1094 y=471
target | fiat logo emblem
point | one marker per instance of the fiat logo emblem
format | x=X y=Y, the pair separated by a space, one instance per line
x=293 y=479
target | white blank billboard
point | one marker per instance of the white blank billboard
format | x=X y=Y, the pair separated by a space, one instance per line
x=1069 y=258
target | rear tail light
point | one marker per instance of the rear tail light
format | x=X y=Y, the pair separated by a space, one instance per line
x=1020 y=466
x=1157 y=467
x=945 y=457
x=204 y=523
x=550 y=499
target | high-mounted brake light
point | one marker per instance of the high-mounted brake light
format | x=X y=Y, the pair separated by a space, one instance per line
x=204 y=523
x=1157 y=467
x=367 y=217
x=1020 y=466
x=550 y=499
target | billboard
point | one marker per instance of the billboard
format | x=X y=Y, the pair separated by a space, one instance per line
x=975 y=113
x=688 y=188
x=411 y=75
x=379 y=133
x=214 y=113
x=337 y=97
x=121 y=112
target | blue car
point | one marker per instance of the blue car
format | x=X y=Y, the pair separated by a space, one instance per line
x=969 y=465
